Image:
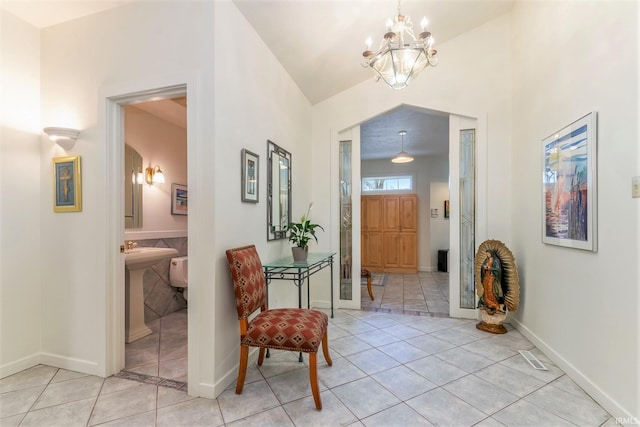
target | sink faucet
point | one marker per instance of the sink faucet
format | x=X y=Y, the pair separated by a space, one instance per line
x=130 y=244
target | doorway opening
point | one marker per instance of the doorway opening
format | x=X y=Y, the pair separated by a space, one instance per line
x=151 y=124
x=156 y=130
x=403 y=225
x=428 y=187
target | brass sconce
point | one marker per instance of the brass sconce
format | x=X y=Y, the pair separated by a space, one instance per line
x=154 y=175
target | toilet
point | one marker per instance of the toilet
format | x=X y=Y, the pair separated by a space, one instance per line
x=179 y=274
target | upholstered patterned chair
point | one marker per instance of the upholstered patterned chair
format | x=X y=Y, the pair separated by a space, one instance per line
x=292 y=329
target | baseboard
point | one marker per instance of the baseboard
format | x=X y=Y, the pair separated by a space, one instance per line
x=212 y=391
x=19 y=365
x=53 y=360
x=71 y=364
x=322 y=303
x=599 y=395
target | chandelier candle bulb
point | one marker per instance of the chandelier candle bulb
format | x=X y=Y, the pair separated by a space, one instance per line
x=424 y=23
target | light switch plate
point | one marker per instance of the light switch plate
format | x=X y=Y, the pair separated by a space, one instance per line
x=635 y=187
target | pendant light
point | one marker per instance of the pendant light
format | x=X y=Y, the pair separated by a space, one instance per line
x=402 y=156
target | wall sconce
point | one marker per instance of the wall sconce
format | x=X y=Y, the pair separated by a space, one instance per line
x=64 y=137
x=154 y=175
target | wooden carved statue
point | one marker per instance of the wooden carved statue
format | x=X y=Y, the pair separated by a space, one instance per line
x=497 y=285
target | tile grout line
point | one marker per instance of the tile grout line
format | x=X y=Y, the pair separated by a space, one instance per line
x=95 y=402
x=31 y=408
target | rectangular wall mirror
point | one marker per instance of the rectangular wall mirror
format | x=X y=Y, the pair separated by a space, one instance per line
x=278 y=191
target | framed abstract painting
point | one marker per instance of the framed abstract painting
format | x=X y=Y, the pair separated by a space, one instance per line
x=569 y=191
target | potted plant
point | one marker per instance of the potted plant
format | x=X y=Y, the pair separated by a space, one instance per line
x=300 y=233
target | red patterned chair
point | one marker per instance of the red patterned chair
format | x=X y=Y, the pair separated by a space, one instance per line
x=292 y=329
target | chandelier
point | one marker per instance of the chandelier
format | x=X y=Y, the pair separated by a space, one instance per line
x=402 y=156
x=401 y=55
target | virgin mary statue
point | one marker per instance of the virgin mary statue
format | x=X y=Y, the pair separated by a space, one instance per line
x=497 y=285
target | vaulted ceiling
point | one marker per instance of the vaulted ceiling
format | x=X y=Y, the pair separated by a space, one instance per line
x=320 y=44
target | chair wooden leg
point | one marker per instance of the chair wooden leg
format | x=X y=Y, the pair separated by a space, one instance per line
x=261 y=356
x=325 y=349
x=313 y=379
x=242 y=370
x=369 y=287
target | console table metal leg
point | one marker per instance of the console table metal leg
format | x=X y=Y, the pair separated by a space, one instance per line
x=299 y=283
x=331 y=264
x=308 y=292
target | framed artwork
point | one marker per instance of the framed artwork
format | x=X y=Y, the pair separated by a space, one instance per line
x=569 y=193
x=67 y=184
x=179 y=199
x=250 y=163
x=446 y=209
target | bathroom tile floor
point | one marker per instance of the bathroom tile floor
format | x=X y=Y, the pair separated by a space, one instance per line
x=160 y=358
x=389 y=369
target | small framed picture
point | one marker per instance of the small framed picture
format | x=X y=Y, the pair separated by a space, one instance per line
x=250 y=164
x=67 y=184
x=179 y=199
x=446 y=209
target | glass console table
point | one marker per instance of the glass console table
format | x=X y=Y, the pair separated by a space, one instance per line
x=299 y=271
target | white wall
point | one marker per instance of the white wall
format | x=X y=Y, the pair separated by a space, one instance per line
x=439 y=236
x=231 y=106
x=20 y=205
x=426 y=170
x=80 y=59
x=256 y=100
x=471 y=81
x=159 y=143
x=580 y=307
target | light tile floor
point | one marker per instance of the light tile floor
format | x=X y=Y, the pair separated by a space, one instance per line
x=388 y=370
x=409 y=294
x=161 y=358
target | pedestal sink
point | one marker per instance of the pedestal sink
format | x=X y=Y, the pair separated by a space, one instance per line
x=136 y=261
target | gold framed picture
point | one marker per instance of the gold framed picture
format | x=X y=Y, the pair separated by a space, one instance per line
x=67 y=184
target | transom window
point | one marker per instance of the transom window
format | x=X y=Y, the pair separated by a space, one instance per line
x=381 y=184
